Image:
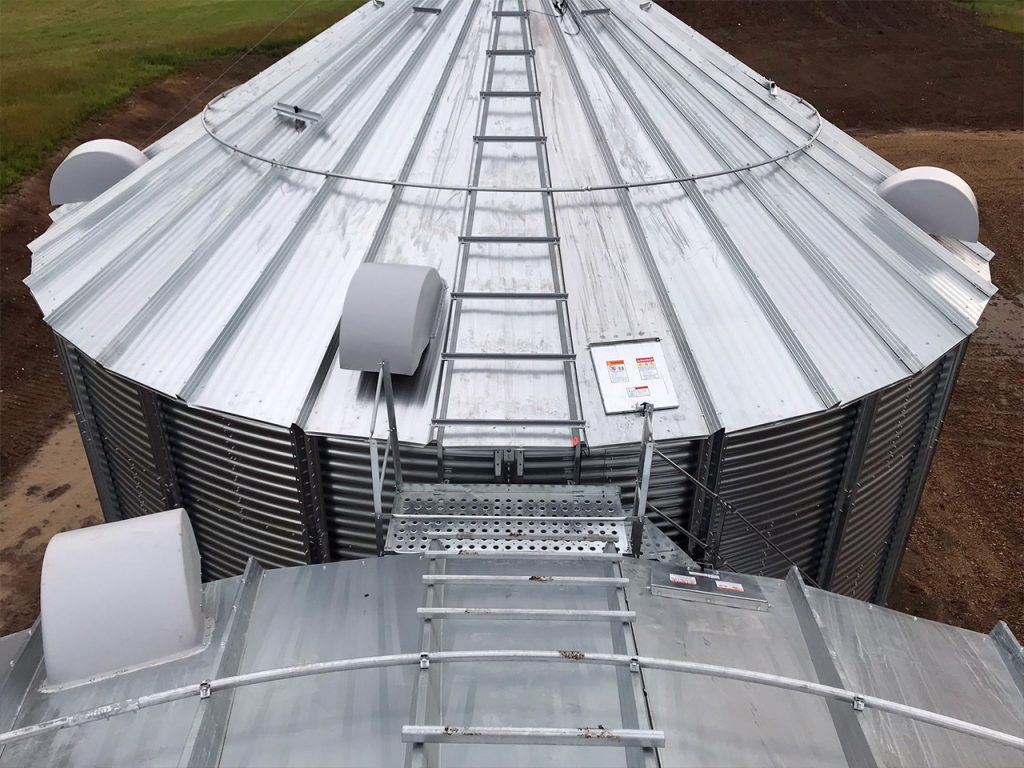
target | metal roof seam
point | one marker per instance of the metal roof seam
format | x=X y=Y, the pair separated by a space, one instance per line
x=183 y=275
x=213 y=354
x=815 y=256
x=714 y=223
x=708 y=409
x=372 y=253
x=826 y=144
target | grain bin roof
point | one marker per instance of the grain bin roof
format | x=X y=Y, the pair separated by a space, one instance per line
x=777 y=292
x=352 y=610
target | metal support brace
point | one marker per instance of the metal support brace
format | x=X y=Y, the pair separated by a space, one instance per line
x=19 y=678
x=922 y=463
x=306 y=451
x=95 y=451
x=643 y=481
x=849 y=484
x=209 y=728
x=389 y=396
x=709 y=469
x=1011 y=652
x=378 y=467
x=848 y=727
x=161 y=448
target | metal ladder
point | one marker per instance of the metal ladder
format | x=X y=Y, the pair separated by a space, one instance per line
x=430 y=730
x=511 y=43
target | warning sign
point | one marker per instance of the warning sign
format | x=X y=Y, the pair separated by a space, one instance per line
x=678 y=578
x=631 y=373
x=617 y=371
x=731 y=586
x=647 y=367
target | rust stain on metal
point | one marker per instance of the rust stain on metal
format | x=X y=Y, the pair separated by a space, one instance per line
x=599 y=733
x=572 y=654
x=455 y=730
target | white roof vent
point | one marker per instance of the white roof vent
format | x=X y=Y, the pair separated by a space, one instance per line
x=936 y=200
x=120 y=595
x=91 y=169
x=390 y=313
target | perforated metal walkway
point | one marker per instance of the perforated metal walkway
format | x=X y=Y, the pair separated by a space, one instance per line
x=508 y=519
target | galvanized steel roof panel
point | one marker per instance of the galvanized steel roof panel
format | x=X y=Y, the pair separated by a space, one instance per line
x=368 y=608
x=777 y=292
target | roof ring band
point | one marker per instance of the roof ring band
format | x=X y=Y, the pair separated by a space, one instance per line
x=468 y=188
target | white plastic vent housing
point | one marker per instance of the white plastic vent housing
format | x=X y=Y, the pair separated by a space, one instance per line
x=91 y=169
x=936 y=200
x=120 y=595
x=389 y=314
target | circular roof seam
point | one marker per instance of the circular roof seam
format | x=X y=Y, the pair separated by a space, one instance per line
x=399 y=183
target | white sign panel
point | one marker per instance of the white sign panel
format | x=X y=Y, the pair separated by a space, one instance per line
x=631 y=373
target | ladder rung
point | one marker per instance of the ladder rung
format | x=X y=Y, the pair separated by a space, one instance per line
x=516 y=518
x=542 y=356
x=508 y=423
x=510 y=94
x=500 y=14
x=549 y=614
x=577 y=581
x=506 y=295
x=548 y=239
x=511 y=139
x=511 y=518
x=510 y=52
x=511 y=554
x=503 y=536
x=581 y=737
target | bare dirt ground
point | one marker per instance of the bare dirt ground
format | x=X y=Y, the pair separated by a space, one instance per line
x=919 y=82
x=965 y=561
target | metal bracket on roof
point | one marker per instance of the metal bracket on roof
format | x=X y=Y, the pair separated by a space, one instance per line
x=594 y=11
x=772 y=86
x=425 y=9
x=204 y=689
x=645 y=6
x=302 y=117
x=378 y=3
x=858 y=703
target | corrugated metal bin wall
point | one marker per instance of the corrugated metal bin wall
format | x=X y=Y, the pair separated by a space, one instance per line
x=670 y=491
x=121 y=425
x=242 y=482
x=237 y=481
x=784 y=480
x=885 y=498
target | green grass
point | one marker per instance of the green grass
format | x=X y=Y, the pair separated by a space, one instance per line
x=63 y=60
x=1002 y=14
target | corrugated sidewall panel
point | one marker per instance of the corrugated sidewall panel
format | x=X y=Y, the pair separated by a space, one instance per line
x=784 y=480
x=121 y=424
x=670 y=491
x=237 y=481
x=897 y=432
x=348 y=491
